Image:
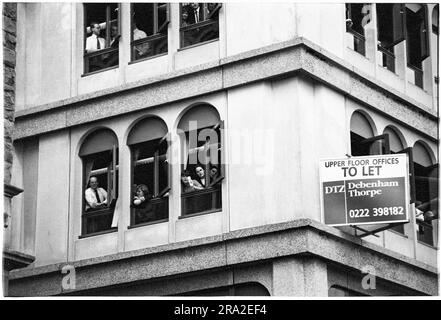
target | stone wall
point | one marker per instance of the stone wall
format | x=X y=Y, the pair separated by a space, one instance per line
x=9 y=43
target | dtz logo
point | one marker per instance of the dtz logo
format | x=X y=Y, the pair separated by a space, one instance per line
x=335 y=189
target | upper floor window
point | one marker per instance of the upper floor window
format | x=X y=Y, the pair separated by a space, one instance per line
x=99 y=154
x=101 y=36
x=417 y=39
x=149 y=29
x=390 y=31
x=426 y=192
x=363 y=142
x=199 y=22
x=357 y=16
x=149 y=146
x=202 y=162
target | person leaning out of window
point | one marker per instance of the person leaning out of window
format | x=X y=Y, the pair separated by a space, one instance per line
x=189 y=185
x=95 y=42
x=142 y=204
x=96 y=197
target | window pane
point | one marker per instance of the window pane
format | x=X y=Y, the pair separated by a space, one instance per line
x=142 y=20
x=145 y=206
x=163 y=166
x=145 y=25
x=97 y=215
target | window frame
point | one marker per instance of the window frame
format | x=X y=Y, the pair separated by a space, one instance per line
x=159 y=32
x=108 y=49
x=111 y=189
x=212 y=187
x=425 y=49
x=158 y=196
x=207 y=20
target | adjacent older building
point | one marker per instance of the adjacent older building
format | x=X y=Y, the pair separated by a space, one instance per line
x=173 y=149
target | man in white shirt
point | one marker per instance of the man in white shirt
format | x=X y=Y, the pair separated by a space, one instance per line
x=95 y=197
x=95 y=42
x=141 y=50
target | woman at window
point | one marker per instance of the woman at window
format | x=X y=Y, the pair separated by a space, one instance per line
x=200 y=176
x=142 y=204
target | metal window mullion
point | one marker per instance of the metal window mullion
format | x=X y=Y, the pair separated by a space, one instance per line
x=107 y=26
x=156 y=174
x=155 y=18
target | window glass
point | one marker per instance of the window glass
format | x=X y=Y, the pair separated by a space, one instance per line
x=390 y=27
x=101 y=36
x=199 y=22
x=357 y=16
x=149 y=29
x=426 y=193
x=417 y=40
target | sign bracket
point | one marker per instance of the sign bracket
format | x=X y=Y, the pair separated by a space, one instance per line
x=373 y=232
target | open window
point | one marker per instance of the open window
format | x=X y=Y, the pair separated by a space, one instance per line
x=149 y=146
x=390 y=26
x=357 y=16
x=149 y=29
x=426 y=193
x=99 y=154
x=102 y=31
x=417 y=38
x=199 y=22
x=363 y=143
x=202 y=137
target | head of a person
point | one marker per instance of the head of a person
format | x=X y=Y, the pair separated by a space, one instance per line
x=184 y=14
x=142 y=190
x=93 y=183
x=200 y=171
x=114 y=31
x=185 y=175
x=194 y=5
x=95 y=27
x=214 y=171
x=211 y=6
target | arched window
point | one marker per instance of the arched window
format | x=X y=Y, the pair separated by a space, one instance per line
x=363 y=142
x=202 y=166
x=396 y=146
x=149 y=146
x=99 y=154
x=426 y=192
x=395 y=143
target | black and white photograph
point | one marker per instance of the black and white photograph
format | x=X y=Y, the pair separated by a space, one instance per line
x=209 y=151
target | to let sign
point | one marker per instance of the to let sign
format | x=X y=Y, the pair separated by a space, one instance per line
x=365 y=190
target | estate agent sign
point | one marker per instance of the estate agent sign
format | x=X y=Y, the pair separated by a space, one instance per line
x=365 y=190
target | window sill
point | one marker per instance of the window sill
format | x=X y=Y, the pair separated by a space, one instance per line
x=199 y=214
x=148 y=58
x=147 y=223
x=99 y=71
x=198 y=44
x=427 y=245
x=111 y=230
x=360 y=54
x=398 y=233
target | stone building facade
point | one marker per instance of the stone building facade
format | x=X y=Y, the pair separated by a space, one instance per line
x=280 y=87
